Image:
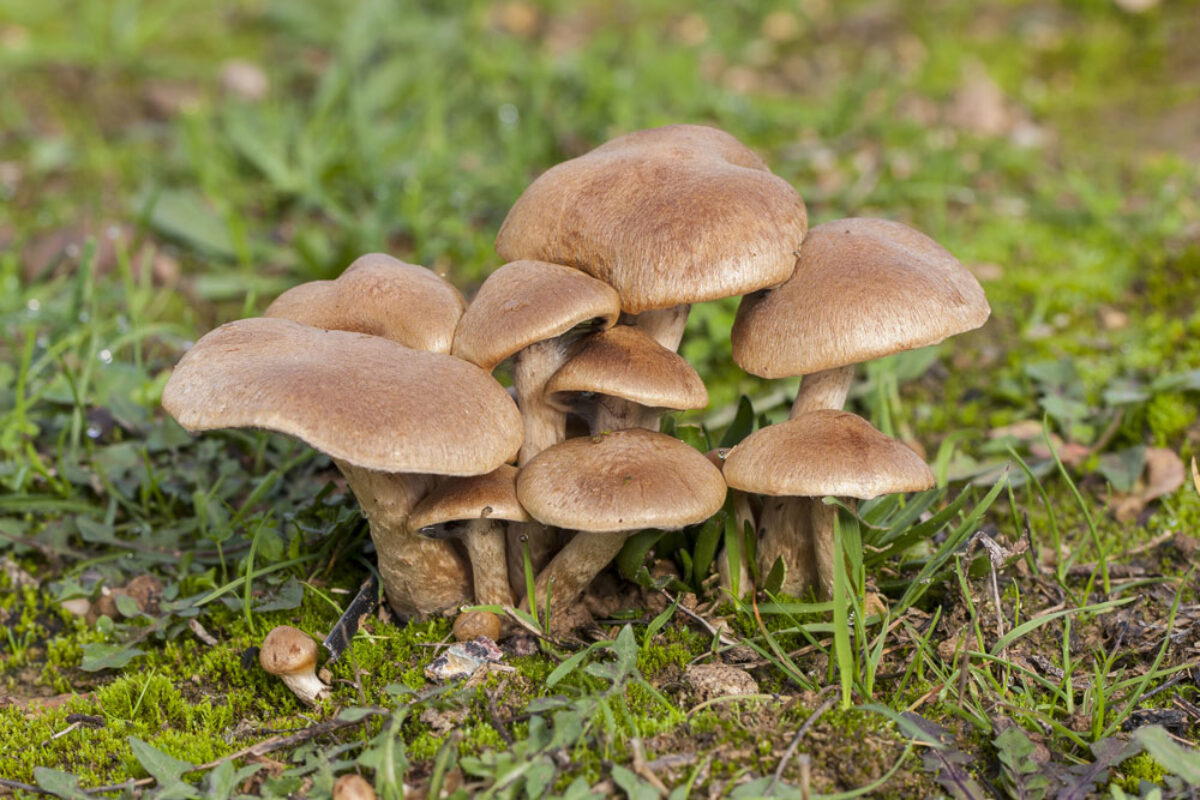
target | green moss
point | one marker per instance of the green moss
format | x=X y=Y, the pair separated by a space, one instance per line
x=1141 y=767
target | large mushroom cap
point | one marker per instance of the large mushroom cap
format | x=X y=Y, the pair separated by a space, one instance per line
x=620 y=481
x=490 y=496
x=667 y=216
x=862 y=289
x=382 y=296
x=626 y=362
x=822 y=453
x=525 y=302
x=361 y=399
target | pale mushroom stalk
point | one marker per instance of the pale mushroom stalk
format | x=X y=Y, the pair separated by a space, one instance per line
x=531 y=369
x=825 y=389
x=664 y=325
x=420 y=576
x=486 y=550
x=574 y=567
x=798 y=528
x=743 y=512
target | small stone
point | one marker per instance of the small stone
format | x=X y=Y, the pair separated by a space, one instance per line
x=473 y=624
x=462 y=660
x=719 y=680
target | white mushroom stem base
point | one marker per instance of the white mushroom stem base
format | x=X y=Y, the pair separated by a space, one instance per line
x=307 y=687
x=486 y=548
x=421 y=577
x=570 y=572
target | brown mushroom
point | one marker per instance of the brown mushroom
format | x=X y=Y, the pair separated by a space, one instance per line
x=382 y=296
x=388 y=415
x=481 y=503
x=291 y=654
x=801 y=460
x=607 y=487
x=668 y=217
x=623 y=378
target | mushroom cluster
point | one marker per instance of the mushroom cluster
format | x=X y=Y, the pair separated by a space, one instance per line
x=388 y=370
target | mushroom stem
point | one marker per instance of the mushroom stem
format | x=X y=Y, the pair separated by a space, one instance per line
x=484 y=539
x=615 y=414
x=420 y=576
x=665 y=325
x=825 y=389
x=570 y=572
x=307 y=687
x=822 y=520
x=742 y=513
x=531 y=368
x=785 y=531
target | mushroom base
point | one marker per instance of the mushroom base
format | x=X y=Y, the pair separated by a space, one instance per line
x=570 y=572
x=421 y=577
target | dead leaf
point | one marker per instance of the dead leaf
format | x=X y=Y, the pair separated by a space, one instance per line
x=1164 y=473
x=1195 y=475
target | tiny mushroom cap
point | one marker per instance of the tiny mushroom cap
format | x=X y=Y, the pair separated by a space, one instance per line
x=825 y=452
x=352 y=786
x=291 y=654
x=473 y=624
x=621 y=481
x=667 y=216
x=382 y=296
x=396 y=409
x=626 y=362
x=862 y=289
x=525 y=302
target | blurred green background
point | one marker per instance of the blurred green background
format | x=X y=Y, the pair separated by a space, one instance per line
x=238 y=148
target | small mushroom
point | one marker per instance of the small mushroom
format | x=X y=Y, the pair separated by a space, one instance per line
x=608 y=487
x=801 y=460
x=291 y=654
x=474 y=509
x=623 y=378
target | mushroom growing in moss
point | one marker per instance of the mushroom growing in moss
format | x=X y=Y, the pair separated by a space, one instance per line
x=291 y=654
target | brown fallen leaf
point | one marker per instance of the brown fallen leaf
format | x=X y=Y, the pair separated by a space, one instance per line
x=1163 y=474
x=1195 y=475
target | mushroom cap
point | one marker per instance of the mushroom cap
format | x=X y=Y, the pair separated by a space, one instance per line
x=382 y=296
x=620 y=481
x=626 y=362
x=490 y=496
x=667 y=216
x=525 y=302
x=361 y=399
x=287 y=650
x=353 y=786
x=822 y=453
x=862 y=289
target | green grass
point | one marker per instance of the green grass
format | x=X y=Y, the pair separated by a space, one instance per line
x=411 y=128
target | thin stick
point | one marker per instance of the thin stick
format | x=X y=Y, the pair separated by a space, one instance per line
x=791 y=750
